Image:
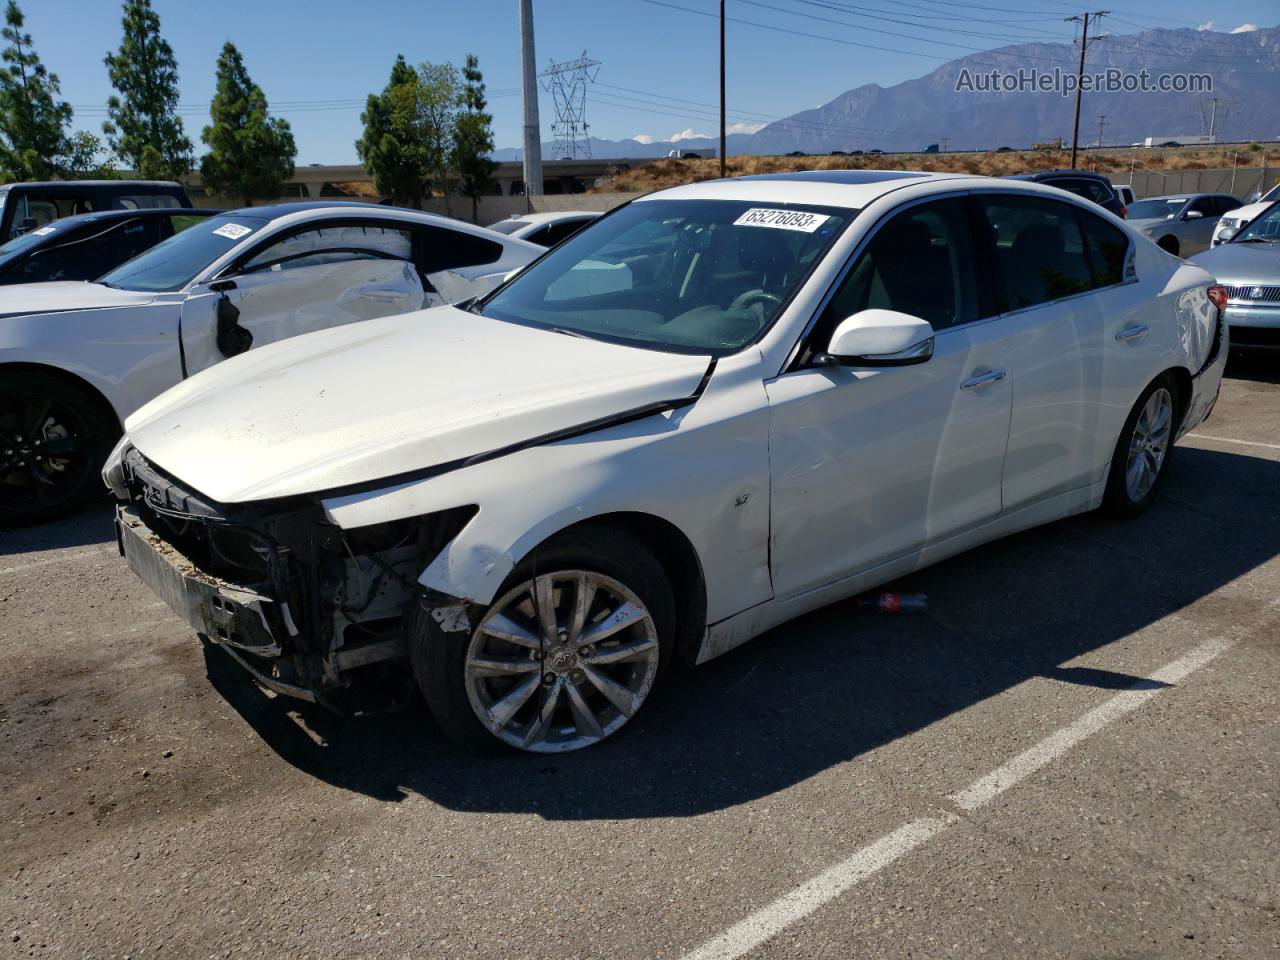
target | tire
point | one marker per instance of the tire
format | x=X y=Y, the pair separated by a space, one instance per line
x=1124 y=497
x=551 y=675
x=39 y=414
x=1169 y=245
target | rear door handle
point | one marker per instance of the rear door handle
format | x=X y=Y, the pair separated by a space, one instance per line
x=1131 y=333
x=983 y=380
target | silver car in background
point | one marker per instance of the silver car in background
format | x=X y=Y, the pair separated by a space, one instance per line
x=1249 y=267
x=1181 y=223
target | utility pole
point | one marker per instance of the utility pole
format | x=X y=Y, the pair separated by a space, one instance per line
x=1102 y=122
x=722 y=137
x=1083 y=20
x=946 y=142
x=1213 y=118
x=529 y=87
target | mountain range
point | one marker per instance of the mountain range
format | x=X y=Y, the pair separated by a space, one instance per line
x=1244 y=69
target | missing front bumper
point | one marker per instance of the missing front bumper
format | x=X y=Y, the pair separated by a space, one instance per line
x=238 y=619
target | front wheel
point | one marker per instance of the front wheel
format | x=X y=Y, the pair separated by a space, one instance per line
x=1142 y=453
x=565 y=656
x=54 y=437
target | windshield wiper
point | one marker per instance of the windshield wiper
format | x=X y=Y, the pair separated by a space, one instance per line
x=570 y=333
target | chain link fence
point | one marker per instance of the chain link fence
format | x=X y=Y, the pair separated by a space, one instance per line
x=1242 y=182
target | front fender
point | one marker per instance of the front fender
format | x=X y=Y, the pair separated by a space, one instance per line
x=703 y=469
x=127 y=354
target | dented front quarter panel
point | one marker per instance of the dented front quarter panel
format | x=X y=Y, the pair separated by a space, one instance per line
x=702 y=468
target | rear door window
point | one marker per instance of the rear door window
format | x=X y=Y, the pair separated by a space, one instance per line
x=1106 y=248
x=1040 y=252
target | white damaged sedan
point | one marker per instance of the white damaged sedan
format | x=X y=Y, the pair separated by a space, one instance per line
x=716 y=408
x=77 y=358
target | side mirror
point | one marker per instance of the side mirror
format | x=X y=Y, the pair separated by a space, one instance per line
x=879 y=338
x=1193 y=215
x=1226 y=235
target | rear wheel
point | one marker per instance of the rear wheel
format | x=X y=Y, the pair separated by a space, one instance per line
x=565 y=656
x=54 y=437
x=1142 y=453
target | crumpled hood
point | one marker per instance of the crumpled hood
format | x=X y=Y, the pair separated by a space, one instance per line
x=58 y=295
x=372 y=400
x=1238 y=264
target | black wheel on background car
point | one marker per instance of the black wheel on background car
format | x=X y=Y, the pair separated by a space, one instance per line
x=1169 y=245
x=565 y=656
x=54 y=437
x=1142 y=453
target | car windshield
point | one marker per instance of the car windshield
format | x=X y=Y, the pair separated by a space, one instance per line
x=1265 y=227
x=173 y=264
x=1156 y=209
x=1272 y=194
x=697 y=276
x=508 y=226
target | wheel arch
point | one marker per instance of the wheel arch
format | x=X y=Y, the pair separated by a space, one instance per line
x=679 y=560
x=66 y=376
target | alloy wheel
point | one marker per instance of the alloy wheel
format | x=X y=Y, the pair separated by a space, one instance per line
x=1149 y=444
x=42 y=452
x=561 y=661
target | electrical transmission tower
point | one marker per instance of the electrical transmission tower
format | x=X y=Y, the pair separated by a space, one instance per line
x=567 y=84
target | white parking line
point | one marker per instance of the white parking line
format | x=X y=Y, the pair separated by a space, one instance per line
x=825 y=887
x=987 y=788
x=61 y=558
x=771 y=919
x=1243 y=443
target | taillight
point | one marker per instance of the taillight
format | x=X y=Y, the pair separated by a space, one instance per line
x=1218 y=296
x=1124 y=213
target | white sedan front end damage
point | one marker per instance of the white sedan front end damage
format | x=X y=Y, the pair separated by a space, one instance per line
x=712 y=410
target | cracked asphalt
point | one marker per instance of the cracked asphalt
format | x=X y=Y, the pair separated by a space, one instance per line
x=157 y=804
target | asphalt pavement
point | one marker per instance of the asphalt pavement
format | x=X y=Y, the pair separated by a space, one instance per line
x=1073 y=753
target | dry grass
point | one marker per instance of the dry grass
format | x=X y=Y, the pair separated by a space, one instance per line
x=670 y=172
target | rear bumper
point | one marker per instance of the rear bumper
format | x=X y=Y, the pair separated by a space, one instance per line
x=1242 y=318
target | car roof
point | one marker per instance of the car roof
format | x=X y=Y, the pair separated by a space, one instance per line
x=548 y=217
x=834 y=188
x=1041 y=174
x=105 y=216
x=1191 y=196
x=72 y=184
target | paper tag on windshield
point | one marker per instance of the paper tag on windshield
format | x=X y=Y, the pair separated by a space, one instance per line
x=42 y=231
x=233 y=231
x=781 y=219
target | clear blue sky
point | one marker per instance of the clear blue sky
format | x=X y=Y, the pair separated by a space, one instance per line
x=318 y=59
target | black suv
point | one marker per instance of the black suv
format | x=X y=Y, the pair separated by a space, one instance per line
x=29 y=206
x=1091 y=186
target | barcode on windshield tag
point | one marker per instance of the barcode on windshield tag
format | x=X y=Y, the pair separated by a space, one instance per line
x=781 y=219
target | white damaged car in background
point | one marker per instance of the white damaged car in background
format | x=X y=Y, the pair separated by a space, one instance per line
x=77 y=358
x=714 y=409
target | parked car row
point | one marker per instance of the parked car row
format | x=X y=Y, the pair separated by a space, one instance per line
x=713 y=409
x=78 y=358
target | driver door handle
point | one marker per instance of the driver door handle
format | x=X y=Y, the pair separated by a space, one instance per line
x=983 y=380
x=1134 y=332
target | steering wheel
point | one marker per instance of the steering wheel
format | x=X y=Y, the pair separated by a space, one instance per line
x=748 y=298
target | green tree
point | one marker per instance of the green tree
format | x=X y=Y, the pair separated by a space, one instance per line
x=250 y=153
x=391 y=148
x=473 y=138
x=33 y=121
x=85 y=158
x=144 y=129
x=436 y=115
